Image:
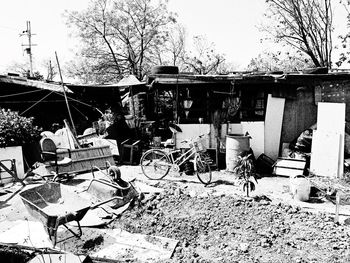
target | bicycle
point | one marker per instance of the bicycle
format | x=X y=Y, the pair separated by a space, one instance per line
x=156 y=163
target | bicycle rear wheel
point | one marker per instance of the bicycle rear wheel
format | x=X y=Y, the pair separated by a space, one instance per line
x=203 y=170
x=155 y=164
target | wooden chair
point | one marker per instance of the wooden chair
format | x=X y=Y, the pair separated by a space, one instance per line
x=49 y=154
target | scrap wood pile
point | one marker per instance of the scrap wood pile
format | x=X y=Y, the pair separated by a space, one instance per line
x=53 y=222
x=329 y=187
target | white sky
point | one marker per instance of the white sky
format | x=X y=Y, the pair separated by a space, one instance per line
x=230 y=24
x=47 y=23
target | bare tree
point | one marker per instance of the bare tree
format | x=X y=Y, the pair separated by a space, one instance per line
x=344 y=55
x=305 y=25
x=177 y=41
x=23 y=70
x=18 y=67
x=173 y=49
x=51 y=70
x=118 y=35
x=203 y=59
x=276 y=61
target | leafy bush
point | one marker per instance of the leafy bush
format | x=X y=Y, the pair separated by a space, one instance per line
x=17 y=130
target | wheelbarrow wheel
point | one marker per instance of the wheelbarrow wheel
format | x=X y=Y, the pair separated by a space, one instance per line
x=155 y=164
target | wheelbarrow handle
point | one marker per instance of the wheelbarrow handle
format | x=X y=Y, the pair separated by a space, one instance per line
x=106 y=201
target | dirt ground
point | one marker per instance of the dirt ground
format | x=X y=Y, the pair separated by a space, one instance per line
x=218 y=223
x=222 y=227
x=237 y=229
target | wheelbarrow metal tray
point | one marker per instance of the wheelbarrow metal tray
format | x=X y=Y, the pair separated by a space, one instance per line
x=115 y=195
x=54 y=205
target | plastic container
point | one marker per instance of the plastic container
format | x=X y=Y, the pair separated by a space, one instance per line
x=300 y=188
x=235 y=145
x=264 y=165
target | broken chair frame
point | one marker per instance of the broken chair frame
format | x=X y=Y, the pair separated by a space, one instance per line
x=12 y=170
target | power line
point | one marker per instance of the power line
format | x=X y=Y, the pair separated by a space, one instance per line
x=78 y=101
x=36 y=103
x=18 y=94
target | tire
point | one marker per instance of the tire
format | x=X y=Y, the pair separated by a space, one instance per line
x=155 y=164
x=203 y=170
x=165 y=70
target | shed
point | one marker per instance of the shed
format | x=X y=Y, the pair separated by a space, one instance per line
x=249 y=101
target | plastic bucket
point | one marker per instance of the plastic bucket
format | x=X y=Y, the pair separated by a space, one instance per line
x=300 y=188
x=235 y=145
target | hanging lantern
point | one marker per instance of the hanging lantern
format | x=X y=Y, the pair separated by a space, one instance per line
x=187 y=103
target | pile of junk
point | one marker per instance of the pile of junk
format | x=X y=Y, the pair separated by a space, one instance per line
x=295 y=163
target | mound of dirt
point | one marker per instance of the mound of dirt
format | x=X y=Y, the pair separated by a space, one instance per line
x=237 y=229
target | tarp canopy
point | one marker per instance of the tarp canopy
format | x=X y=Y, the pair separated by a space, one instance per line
x=130 y=80
x=34 y=83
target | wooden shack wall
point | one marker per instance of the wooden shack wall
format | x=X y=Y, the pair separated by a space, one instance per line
x=299 y=113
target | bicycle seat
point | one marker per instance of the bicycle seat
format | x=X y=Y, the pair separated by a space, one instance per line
x=174 y=128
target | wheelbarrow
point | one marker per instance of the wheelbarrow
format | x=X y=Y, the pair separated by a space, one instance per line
x=111 y=189
x=54 y=205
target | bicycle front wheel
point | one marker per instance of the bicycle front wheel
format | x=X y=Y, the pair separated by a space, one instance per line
x=203 y=170
x=155 y=164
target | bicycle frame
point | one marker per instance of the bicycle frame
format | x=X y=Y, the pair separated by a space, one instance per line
x=161 y=162
x=183 y=157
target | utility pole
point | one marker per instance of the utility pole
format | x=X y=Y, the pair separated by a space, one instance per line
x=28 y=47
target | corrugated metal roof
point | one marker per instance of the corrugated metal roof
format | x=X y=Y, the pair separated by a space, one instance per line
x=247 y=78
x=33 y=83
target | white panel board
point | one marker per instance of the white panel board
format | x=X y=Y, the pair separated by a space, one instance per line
x=103 y=142
x=234 y=128
x=287 y=171
x=257 y=132
x=192 y=131
x=291 y=163
x=273 y=125
x=331 y=118
x=14 y=152
x=325 y=153
x=212 y=142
